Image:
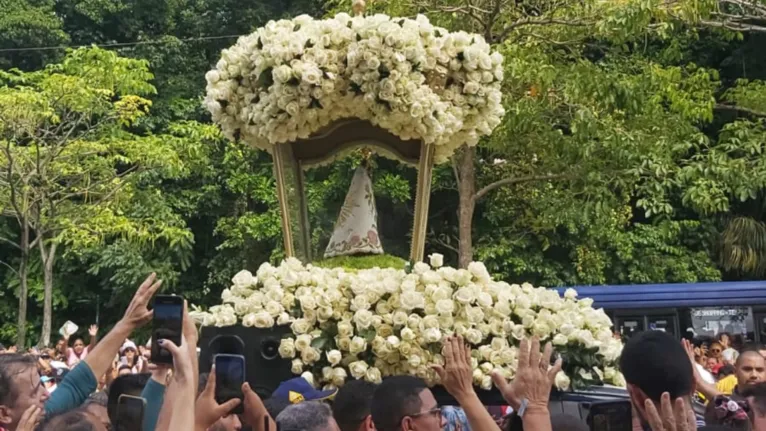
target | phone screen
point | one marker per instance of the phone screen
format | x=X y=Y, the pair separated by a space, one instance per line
x=130 y=413
x=167 y=325
x=229 y=377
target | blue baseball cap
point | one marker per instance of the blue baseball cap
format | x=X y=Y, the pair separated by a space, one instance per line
x=298 y=389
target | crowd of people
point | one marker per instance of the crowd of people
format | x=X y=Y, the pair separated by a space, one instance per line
x=74 y=387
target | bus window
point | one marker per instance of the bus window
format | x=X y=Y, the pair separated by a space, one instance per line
x=630 y=325
x=711 y=321
x=664 y=324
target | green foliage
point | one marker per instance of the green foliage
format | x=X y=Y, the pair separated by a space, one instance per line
x=362 y=262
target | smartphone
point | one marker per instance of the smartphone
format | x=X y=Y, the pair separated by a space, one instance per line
x=229 y=377
x=130 y=413
x=166 y=325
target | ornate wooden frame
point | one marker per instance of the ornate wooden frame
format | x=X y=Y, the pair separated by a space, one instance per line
x=290 y=161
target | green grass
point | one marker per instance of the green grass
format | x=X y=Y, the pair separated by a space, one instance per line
x=355 y=263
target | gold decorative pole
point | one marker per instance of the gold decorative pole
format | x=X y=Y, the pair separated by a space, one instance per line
x=279 y=173
x=422 y=200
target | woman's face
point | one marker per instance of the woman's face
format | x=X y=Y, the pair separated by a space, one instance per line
x=78 y=346
x=130 y=354
x=716 y=350
x=711 y=363
x=61 y=346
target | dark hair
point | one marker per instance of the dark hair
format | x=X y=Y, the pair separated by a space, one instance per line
x=394 y=399
x=98 y=398
x=758 y=394
x=73 y=420
x=12 y=365
x=275 y=405
x=352 y=404
x=726 y=370
x=655 y=362
x=129 y=384
x=74 y=340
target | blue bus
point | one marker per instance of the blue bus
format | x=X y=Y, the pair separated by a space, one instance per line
x=693 y=309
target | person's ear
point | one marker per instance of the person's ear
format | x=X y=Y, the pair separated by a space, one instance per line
x=367 y=424
x=5 y=416
x=407 y=424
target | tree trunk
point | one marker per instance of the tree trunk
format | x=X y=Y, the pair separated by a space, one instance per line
x=21 y=330
x=48 y=258
x=466 y=185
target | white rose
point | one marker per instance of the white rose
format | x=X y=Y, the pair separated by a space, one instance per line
x=297 y=367
x=300 y=326
x=344 y=343
x=309 y=377
x=282 y=74
x=437 y=260
x=302 y=342
x=287 y=348
x=474 y=336
x=263 y=320
x=432 y=335
x=414 y=361
x=399 y=318
x=407 y=334
x=465 y=295
x=445 y=306
x=339 y=376
x=373 y=375
x=244 y=279
x=477 y=269
x=363 y=319
x=326 y=374
x=334 y=357
x=308 y=302
x=345 y=329
x=358 y=369
x=560 y=340
x=357 y=345
x=619 y=380
x=562 y=381
x=310 y=355
x=411 y=300
x=570 y=294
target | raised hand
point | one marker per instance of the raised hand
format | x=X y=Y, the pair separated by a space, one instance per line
x=137 y=314
x=255 y=413
x=671 y=417
x=456 y=375
x=29 y=419
x=207 y=409
x=93 y=330
x=534 y=376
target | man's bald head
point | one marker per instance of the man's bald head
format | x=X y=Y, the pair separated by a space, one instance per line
x=750 y=369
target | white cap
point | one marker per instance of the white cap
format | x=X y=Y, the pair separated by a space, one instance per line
x=128 y=345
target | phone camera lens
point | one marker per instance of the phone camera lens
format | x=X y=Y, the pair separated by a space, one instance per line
x=270 y=349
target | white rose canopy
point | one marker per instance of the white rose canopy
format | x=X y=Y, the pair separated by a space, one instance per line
x=292 y=78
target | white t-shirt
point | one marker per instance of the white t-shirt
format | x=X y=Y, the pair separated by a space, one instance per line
x=706 y=376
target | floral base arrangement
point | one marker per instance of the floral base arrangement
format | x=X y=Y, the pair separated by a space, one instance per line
x=373 y=323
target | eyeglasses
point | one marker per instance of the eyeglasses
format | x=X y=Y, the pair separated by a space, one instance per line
x=436 y=411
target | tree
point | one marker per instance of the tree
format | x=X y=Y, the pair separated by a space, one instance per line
x=68 y=160
x=28 y=29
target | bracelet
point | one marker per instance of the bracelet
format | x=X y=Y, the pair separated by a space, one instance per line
x=522 y=407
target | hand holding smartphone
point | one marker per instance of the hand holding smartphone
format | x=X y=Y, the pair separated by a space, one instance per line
x=229 y=378
x=167 y=324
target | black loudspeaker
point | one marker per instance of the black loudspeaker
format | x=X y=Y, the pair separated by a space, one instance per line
x=264 y=367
